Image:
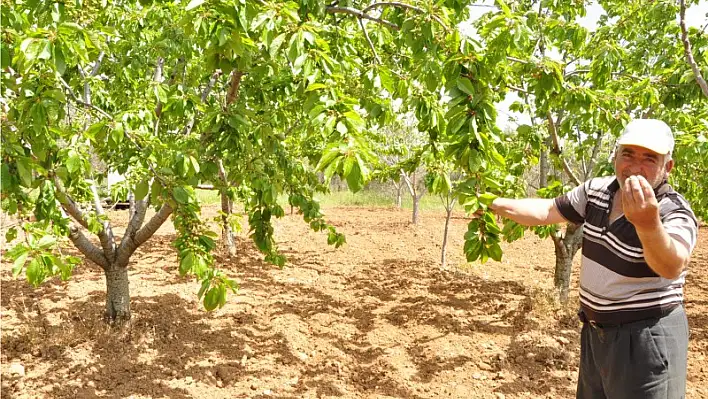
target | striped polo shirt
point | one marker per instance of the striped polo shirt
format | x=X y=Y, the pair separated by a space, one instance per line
x=616 y=284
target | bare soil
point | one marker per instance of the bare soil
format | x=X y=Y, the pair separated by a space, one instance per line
x=377 y=318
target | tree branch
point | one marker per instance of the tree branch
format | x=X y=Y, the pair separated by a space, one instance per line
x=234 y=87
x=135 y=223
x=81 y=102
x=407 y=6
x=518 y=89
x=83 y=244
x=595 y=151
x=97 y=64
x=411 y=189
x=368 y=40
x=157 y=78
x=131 y=243
x=358 y=13
x=131 y=204
x=564 y=162
x=582 y=158
x=106 y=237
x=520 y=61
x=69 y=205
x=86 y=247
x=155 y=222
x=205 y=93
x=689 y=53
x=94 y=72
x=626 y=75
x=207 y=187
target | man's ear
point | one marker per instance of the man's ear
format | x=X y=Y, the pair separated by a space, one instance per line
x=669 y=165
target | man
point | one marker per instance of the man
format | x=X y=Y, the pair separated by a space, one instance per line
x=638 y=235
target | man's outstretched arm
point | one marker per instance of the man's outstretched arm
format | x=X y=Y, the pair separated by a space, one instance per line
x=528 y=211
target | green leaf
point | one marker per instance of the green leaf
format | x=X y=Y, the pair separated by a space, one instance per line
x=194 y=4
x=194 y=164
x=23 y=169
x=117 y=133
x=46 y=242
x=498 y=158
x=73 y=162
x=465 y=85
x=35 y=272
x=161 y=93
x=95 y=129
x=315 y=86
x=180 y=195
x=211 y=299
x=456 y=123
x=348 y=165
x=355 y=180
x=19 y=264
x=204 y=287
x=487 y=198
x=5 y=58
x=222 y=295
x=505 y=8
x=186 y=264
x=276 y=44
x=11 y=234
x=141 y=190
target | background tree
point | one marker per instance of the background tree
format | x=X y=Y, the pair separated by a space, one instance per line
x=400 y=144
x=579 y=88
x=255 y=97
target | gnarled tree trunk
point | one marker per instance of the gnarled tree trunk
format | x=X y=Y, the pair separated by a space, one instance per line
x=117 y=295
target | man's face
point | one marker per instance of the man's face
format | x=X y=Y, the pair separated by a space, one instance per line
x=632 y=160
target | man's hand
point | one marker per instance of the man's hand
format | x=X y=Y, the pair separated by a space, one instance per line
x=639 y=204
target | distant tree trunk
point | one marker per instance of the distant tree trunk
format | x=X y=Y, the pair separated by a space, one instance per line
x=449 y=205
x=227 y=233
x=413 y=190
x=227 y=236
x=399 y=192
x=117 y=295
x=416 y=200
x=543 y=169
x=565 y=248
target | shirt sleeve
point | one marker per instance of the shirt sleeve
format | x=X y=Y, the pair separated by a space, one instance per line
x=683 y=228
x=571 y=205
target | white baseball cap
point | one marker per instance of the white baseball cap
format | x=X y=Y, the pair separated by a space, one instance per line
x=652 y=134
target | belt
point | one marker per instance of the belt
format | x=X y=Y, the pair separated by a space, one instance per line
x=583 y=318
x=595 y=324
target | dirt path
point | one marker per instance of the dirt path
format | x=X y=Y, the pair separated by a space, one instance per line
x=375 y=319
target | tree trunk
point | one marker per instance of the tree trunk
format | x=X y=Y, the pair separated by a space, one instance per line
x=227 y=235
x=566 y=248
x=416 y=200
x=117 y=295
x=444 y=243
x=399 y=192
x=543 y=169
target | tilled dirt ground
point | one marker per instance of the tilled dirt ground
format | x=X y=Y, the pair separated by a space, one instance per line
x=377 y=318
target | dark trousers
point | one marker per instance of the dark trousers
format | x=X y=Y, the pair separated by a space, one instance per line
x=646 y=359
